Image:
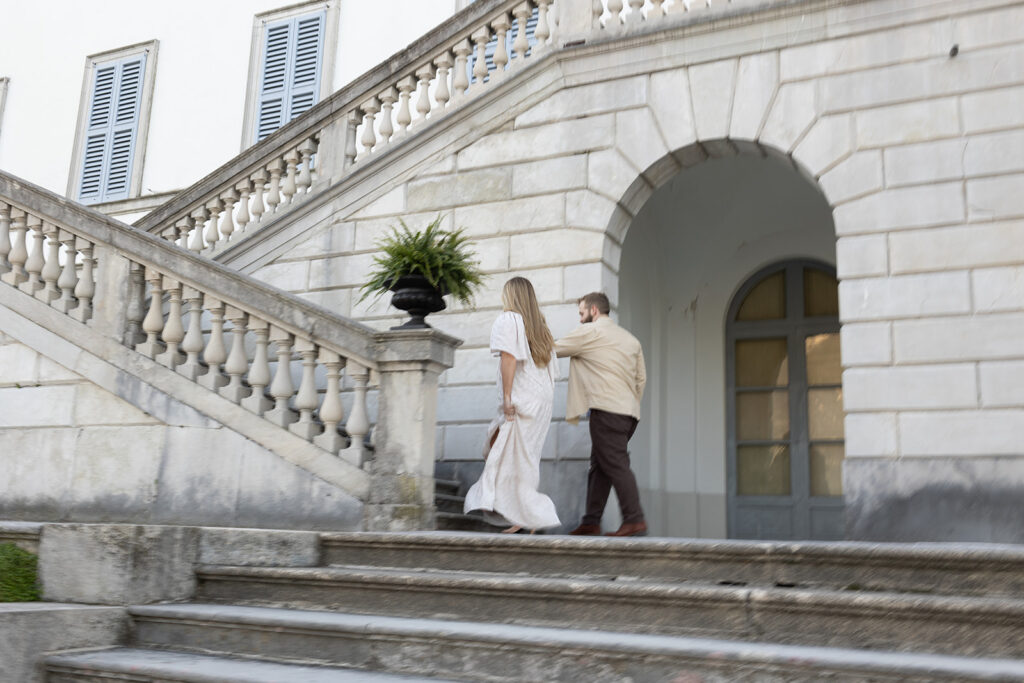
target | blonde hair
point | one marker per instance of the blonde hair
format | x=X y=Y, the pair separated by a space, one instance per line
x=518 y=296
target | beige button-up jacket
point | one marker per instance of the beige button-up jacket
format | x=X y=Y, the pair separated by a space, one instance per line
x=606 y=370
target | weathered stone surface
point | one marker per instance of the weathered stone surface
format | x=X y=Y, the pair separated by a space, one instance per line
x=28 y=630
x=935 y=498
x=117 y=564
x=258 y=547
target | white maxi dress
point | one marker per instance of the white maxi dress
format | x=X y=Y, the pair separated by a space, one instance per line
x=507 y=489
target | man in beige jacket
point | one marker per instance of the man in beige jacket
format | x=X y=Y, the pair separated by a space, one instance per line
x=606 y=377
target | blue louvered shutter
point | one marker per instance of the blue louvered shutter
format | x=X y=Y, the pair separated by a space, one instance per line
x=111 y=130
x=292 y=64
x=510 y=37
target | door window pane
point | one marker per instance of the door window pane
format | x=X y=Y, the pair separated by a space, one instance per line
x=823 y=364
x=766 y=301
x=762 y=415
x=825 y=413
x=762 y=470
x=821 y=293
x=827 y=469
x=761 y=363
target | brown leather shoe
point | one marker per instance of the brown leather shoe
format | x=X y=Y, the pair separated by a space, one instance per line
x=631 y=529
x=586 y=530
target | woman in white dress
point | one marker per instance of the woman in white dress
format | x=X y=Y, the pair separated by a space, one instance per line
x=507 y=490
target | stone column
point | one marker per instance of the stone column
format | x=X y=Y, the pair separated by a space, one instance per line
x=402 y=469
x=113 y=291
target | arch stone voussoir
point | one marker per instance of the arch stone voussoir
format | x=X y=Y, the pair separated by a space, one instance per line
x=829 y=140
x=711 y=91
x=757 y=80
x=669 y=100
x=637 y=138
x=611 y=174
x=792 y=114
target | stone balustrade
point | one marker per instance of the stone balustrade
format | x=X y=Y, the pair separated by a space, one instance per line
x=454 y=64
x=610 y=15
x=298 y=366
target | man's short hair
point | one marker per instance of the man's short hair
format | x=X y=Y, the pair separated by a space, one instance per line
x=596 y=299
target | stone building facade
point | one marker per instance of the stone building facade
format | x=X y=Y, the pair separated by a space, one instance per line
x=809 y=213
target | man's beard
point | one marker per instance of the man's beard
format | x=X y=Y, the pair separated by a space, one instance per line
x=588 y=318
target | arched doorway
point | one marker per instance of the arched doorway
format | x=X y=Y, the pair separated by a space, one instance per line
x=785 y=405
x=687 y=252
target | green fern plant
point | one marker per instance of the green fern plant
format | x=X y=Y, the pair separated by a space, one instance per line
x=18 y=580
x=441 y=256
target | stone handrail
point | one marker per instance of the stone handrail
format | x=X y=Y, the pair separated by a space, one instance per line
x=414 y=88
x=107 y=271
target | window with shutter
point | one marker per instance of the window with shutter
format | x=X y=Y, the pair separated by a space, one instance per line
x=111 y=129
x=291 y=71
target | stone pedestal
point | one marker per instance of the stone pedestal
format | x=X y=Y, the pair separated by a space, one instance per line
x=402 y=472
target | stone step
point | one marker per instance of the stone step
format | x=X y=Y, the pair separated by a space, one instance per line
x=506 y=653
x=978 y=626
x=449 y=503
x=157 y=666
x=931 y=568
x=458 y=521
x=447 y=486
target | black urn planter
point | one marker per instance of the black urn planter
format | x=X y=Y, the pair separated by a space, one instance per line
x=417 y=297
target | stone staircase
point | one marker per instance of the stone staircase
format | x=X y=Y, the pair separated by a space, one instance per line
x=476 y=607
x=450 y=501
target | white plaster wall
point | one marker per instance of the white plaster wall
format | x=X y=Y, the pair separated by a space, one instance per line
x=72 y=451
x=202 y=71
x=692 y=245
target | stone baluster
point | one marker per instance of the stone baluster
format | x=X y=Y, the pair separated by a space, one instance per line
x=19 y=251
x=306 y=151
x=480 y=39
x=522 y=13
x=244 y=189
x=173 y=332
x=636 y=12
x=306 y=401
x=615 y=7
x=274 y=193
x=86 y=287
x=358 y=425
x=214 y=354
x=281 y=389
x=442 y=93
x=183 y=226
x=424 y=75
x=154 y=321
x=542 y=31
x=136 y=306
x=69 y=275
x=237 y=363
x=192 y=345
x=678 y=7
x=351 y=124
x=369 y=137
x=597 y=9
x=259 y=373
x=404 y=118
x=657 y=12
x=387 y=105
x=5 y=237
x=35 y=261
x=212 y=234
x=227 y=222
x=331 y=411
x=51 y=271
x=460 y=81
x=259 y=184
x=289 y=187
x=501 y=26
x=198 y=220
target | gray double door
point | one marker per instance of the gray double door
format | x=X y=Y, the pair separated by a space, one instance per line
x=785 y=416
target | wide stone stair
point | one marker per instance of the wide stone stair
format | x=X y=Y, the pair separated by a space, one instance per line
x=486 y=607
